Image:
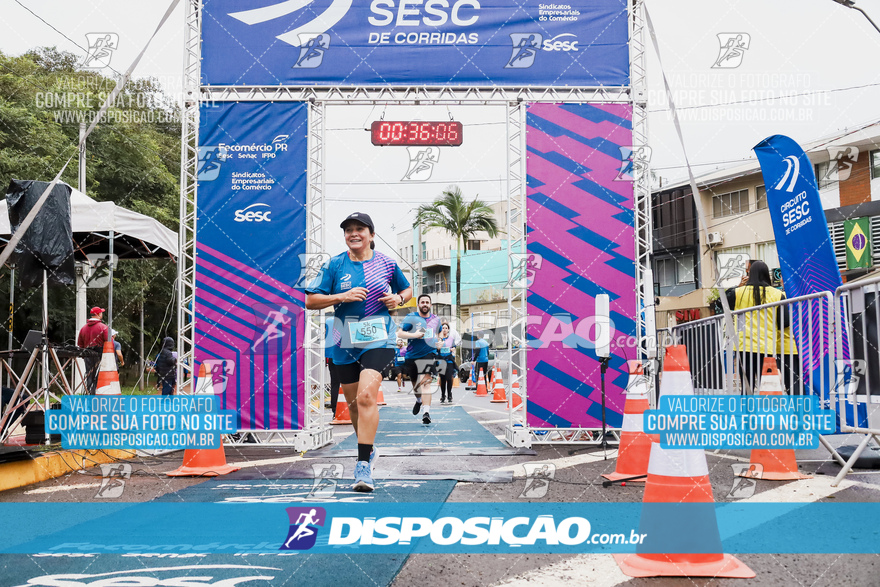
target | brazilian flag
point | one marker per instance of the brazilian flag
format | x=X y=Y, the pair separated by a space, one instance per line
x=858 y=243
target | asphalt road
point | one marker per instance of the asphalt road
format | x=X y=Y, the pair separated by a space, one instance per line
x=577 y=479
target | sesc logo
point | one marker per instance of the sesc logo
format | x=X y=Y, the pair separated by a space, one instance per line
x=558 y=43
x=217 y=576
x=249 y=215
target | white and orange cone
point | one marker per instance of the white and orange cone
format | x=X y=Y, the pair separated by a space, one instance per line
x=204 y=382
x=500 y=394
x=515 y=399
x=108 y=377
x=481 y=386
x=780 y=464
x=680 y=476
x=635 y=445
x=341 y=416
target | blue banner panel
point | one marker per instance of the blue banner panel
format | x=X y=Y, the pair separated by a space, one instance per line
x=251 y=249
x=453 y=527
x=431 y=42
x=806 y=257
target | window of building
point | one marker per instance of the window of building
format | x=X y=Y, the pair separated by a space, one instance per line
x=472 y=245
x=823 y=173
x=767 y=253
x=875 y=164
x=685 y=269
x=424 y=251
x=761 y=197
x=664 y=272
x=730 y=203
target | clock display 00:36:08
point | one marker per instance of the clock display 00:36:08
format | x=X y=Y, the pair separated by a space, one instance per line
x=417 y=133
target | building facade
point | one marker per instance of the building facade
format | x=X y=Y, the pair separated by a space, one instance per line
x=690 y=268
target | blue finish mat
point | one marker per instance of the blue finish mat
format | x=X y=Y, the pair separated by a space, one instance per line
x=304 y=490
x=288 y=568
x=451 y=428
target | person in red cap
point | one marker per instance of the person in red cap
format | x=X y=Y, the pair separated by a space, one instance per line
x=92 y=337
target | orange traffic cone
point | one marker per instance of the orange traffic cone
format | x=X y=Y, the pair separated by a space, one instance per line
x=204 y=383
x=380 y=399
x=515 y=398
x=456 y=382
x=470 y=382
x=203 y=462
x=481 y=386
x=779 y=464
x=342 y=416
x=108 y=377
x=500 y=396
x=680 y=477
x=635 y=445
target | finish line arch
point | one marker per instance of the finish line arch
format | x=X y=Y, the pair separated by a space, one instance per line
x=563 y=184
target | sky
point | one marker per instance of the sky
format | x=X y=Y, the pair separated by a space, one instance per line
x=807 y=72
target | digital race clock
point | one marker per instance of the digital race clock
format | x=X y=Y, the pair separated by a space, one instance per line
x=413 y=132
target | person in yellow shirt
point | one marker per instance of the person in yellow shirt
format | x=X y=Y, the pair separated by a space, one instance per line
x=787 y=355
x=758 y=328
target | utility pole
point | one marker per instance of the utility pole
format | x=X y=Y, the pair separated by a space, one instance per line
x=852 y=4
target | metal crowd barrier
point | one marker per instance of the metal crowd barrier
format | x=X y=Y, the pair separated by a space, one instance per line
x=731 y=364
x=858 y=364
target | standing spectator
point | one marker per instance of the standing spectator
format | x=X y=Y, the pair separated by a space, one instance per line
x=166 y=367
x=117 y=348
x=92 y=337
x=329 y=343
x=757 y=339
x=481 y=348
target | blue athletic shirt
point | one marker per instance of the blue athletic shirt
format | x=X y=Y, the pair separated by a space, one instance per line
x=446 y=348
x=421 y=347
x=483 y=352
x=400 y=359
x=363 y=325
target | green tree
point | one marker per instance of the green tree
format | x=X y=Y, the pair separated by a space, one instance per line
x=462 y=220
x=133 y=159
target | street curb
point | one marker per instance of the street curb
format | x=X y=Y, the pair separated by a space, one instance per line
x=55 y=464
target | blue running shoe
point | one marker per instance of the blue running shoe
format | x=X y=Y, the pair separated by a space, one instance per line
x=363 y=477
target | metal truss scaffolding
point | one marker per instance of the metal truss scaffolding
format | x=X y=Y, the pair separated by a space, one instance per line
x=315 y=431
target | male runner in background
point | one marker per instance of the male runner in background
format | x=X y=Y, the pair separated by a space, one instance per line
x=421 y=329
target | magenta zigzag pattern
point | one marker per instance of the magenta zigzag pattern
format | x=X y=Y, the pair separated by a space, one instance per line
x=267 y=390
x=580 y=220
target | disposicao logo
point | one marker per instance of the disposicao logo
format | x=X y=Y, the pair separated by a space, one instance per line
x=304 y=524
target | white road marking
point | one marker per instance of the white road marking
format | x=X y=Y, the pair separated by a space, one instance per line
x=53 y=489
x=561 y=463
x=597 y=570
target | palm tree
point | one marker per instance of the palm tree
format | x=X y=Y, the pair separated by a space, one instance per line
x=460 y=219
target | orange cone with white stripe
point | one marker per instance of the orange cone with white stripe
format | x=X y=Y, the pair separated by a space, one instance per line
x=679 y=478
x=500 y=395
x=635 y=445
x=470 y=382
x=380 y=398
x=342 y=416
x=108 y=377
x=204 y=462
x=515 y=399
x=204 y=383
x=481 y=386
x=779 y=464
